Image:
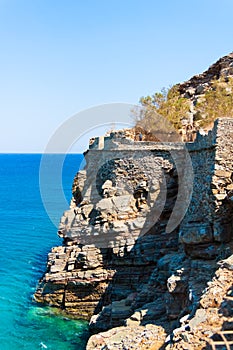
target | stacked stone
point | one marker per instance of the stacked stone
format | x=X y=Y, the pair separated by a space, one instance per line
x=119 y=265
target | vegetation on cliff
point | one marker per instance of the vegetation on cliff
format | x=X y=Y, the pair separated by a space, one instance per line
x=197 y=102
x=168 y=104
x=216 y=102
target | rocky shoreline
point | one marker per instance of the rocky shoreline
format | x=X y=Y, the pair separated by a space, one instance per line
x=117 y=266
x=147 y=243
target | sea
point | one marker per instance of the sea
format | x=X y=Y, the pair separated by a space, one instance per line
x=26 y=236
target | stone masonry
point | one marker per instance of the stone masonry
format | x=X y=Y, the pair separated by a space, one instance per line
x=147 y=223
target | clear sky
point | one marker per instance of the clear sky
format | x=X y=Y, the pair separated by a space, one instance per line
x=59 y=57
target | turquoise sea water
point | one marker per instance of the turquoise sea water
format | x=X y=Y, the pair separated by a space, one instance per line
x=26 y=236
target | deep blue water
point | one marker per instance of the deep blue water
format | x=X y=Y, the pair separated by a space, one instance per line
x=26 y=236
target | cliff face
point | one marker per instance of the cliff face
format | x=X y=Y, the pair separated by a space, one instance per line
x=146 y=226
x=195 y=88
x=209 y=327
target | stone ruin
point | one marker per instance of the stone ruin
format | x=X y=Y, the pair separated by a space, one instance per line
x=147 y=225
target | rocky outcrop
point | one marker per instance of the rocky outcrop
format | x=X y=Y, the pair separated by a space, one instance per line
x=150 y=337
x=195 y=88
x=223 y=68
x=213 y=316
x=202 y=328
x=147 y=250
x=147 y=224
x=111 y=245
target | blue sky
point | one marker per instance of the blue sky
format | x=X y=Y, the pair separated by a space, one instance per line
x=61 y=57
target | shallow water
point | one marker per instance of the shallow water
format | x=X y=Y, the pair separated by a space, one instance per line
x=26 y=236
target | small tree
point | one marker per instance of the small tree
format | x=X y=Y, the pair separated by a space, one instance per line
x=163 y=111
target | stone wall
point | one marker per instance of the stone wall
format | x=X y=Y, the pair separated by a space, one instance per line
x=208 y=221
x=146 y=222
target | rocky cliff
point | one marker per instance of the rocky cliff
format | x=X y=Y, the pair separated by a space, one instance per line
x=147 y=226
x=195 y=86
x=195 y=89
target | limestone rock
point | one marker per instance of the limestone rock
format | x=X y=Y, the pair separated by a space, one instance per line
x=119 y=265
x=195 y=234
x=149 y=337
x=212 y=316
